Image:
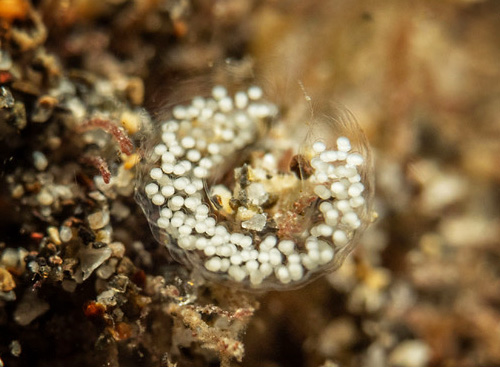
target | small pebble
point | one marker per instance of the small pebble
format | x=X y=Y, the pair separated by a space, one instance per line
x=99 y=219
x=40 y=161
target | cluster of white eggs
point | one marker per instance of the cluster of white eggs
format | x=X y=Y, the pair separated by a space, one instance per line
x=262 y=226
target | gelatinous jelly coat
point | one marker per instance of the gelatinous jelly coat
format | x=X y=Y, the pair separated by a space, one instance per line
x=229 y=187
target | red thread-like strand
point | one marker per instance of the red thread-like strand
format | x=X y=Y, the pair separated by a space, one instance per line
x=100 y=164
x=126 y=145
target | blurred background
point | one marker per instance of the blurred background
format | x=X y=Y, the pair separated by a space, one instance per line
x=422 y=79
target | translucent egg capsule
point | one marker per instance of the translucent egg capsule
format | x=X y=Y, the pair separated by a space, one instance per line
x=254 y=198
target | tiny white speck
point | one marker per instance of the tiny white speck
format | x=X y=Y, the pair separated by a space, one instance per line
x=158 y=199
x=319 y=147
x=343 y=144
x=213 y=264
x=355 y=159
x=167 y=191
x=151 y=189
x=219 y=92
x=156 y=173
x=340 y=238
x=255 y=92
x=286 y=246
